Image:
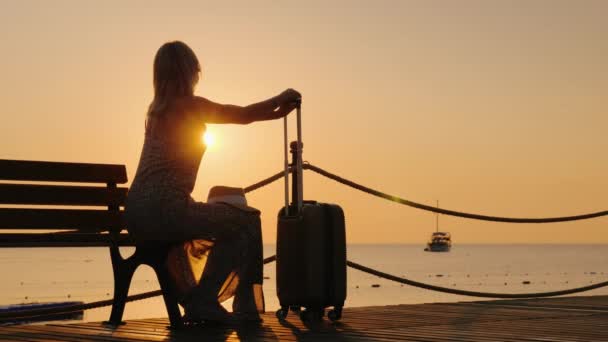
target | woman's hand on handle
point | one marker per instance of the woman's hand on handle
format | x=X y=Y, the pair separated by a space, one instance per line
x=287 y=101
x=289 y=96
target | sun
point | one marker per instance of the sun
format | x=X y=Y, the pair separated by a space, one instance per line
x=208 y=139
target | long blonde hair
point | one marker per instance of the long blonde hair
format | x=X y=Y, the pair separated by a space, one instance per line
x=176 y=72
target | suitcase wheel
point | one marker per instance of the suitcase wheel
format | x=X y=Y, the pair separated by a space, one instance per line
x=282 y=313
x=312 y=315
x=334 y=314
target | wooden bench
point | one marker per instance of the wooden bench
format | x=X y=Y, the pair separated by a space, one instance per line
x=85 y=212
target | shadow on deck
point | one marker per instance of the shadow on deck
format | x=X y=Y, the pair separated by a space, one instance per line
x=557 y=319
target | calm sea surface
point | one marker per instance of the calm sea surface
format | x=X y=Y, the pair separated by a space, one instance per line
x=85 y=274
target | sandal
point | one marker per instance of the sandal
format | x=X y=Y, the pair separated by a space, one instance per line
x=211 y=312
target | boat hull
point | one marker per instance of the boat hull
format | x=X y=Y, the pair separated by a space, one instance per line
x=437 y=248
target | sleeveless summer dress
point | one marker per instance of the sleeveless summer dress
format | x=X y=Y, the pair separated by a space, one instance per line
x=218 y=247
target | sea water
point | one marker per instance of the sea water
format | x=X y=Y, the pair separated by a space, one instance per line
x=85 y=274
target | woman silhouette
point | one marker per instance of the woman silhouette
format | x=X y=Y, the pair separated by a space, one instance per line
x=159 y=205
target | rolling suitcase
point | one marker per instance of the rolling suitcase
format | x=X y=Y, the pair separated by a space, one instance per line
x=311 y=248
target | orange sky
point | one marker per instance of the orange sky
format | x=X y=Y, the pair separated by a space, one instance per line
x=493 y=107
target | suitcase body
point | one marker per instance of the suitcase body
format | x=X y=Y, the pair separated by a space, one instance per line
x=311 y=261
x=311 y=246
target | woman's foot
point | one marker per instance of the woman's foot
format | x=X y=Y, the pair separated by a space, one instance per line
x=208 y=312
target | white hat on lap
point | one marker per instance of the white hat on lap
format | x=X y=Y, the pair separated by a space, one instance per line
x=229 y=195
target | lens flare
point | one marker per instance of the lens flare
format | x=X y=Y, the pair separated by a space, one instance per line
x=208 y=139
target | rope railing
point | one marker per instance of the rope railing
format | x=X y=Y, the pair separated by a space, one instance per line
x=264 y=182
x=48 y=312
x=446 y=211
x=421 y=285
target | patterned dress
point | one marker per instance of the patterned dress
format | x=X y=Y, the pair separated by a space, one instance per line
x=218 y=251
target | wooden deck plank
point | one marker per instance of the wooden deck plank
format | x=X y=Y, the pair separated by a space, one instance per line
x=559 y=319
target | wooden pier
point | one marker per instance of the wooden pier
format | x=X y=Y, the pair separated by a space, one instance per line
x=557 y=319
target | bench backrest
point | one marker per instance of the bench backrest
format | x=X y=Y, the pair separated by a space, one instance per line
x=90 y=203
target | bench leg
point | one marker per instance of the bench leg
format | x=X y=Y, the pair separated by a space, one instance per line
x=175 y=316
x=123 y=273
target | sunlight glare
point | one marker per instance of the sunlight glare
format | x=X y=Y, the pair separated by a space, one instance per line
x=208 y=139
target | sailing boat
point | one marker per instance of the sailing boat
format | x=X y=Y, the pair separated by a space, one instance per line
x=439 y=241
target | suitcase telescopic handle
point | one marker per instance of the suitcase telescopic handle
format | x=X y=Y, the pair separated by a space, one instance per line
x=297 y=162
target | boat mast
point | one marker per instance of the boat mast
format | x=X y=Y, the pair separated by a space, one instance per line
x=437 y=218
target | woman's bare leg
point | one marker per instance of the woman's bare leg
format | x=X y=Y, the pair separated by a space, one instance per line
x=202 y=301
x=238 y=247
x=249 y=297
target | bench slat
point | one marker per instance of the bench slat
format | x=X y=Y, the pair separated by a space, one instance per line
x=25 y=170
x=71 y=239
x=86 y=220
x=61 y=195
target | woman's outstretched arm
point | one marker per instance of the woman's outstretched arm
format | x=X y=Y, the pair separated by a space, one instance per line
x=273 y=108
